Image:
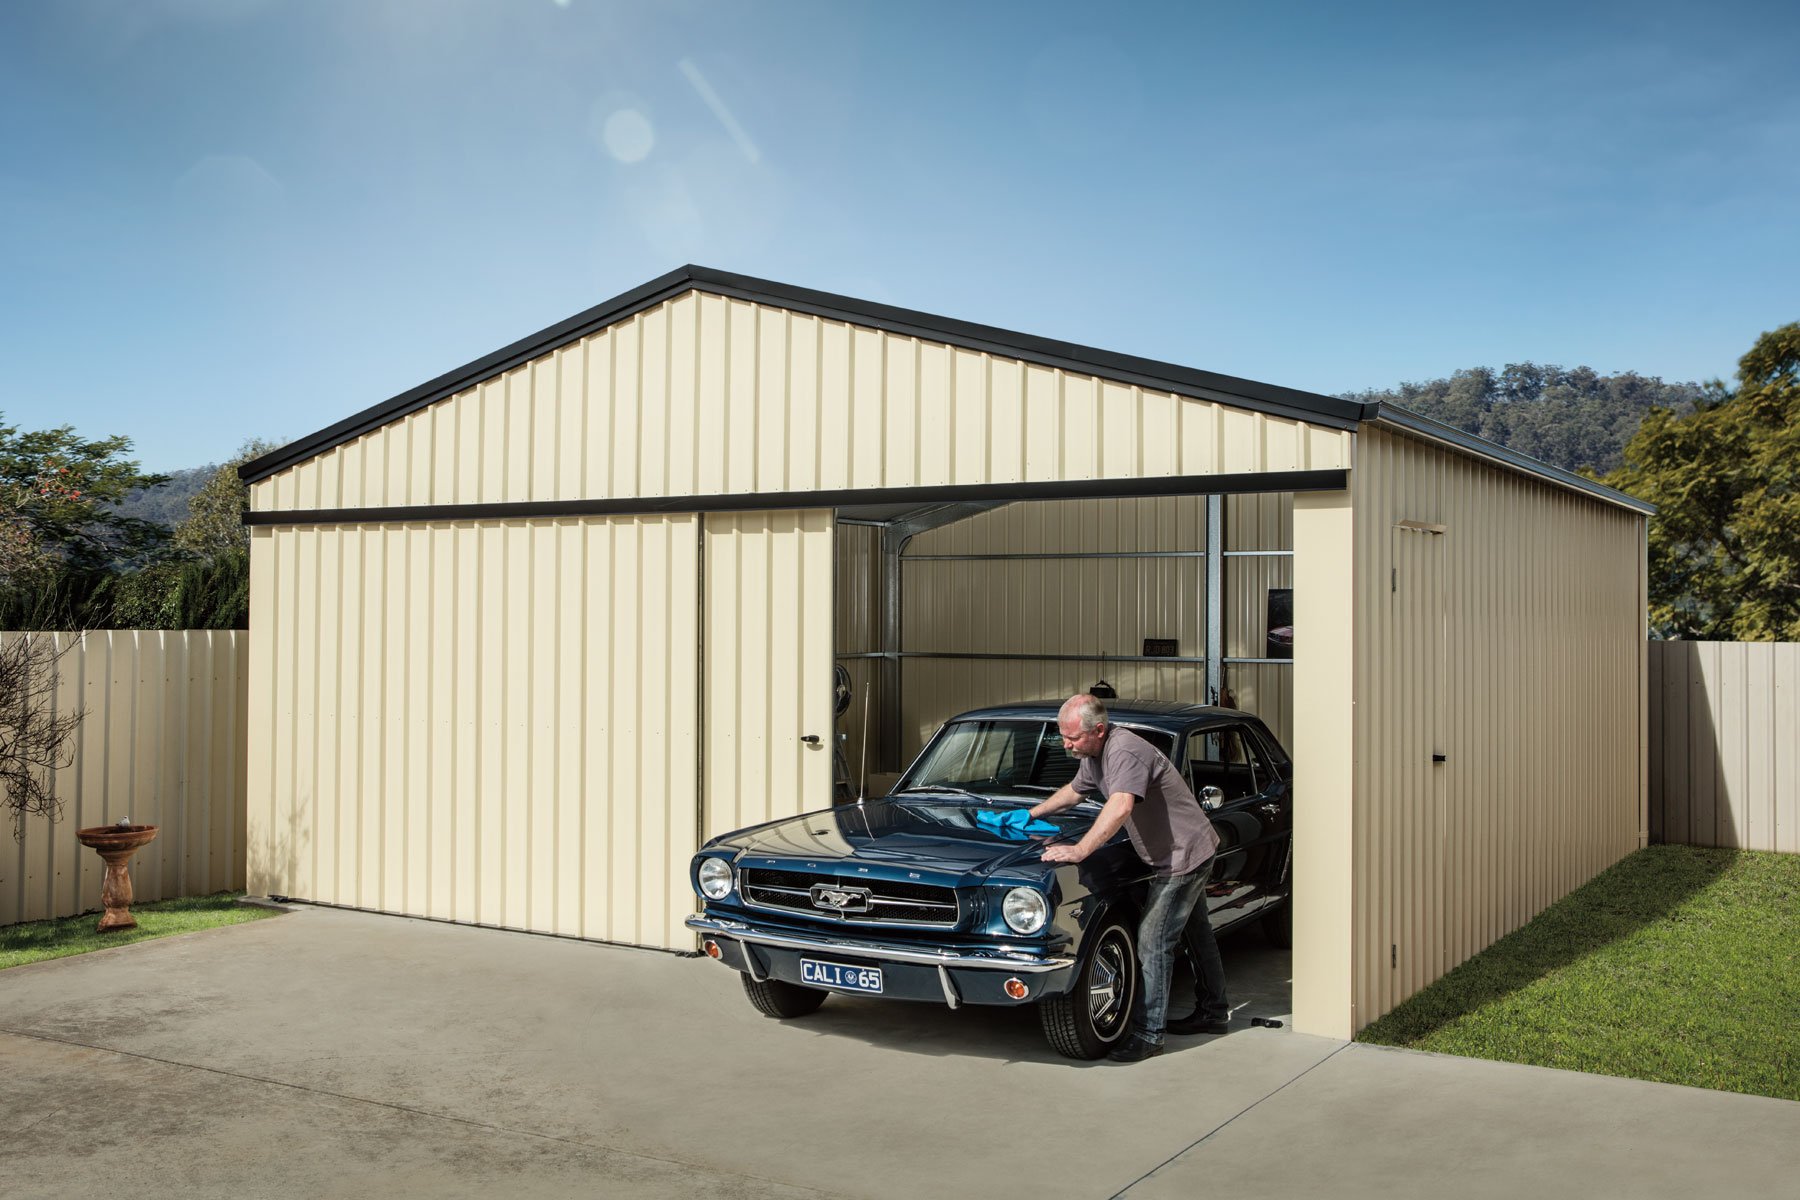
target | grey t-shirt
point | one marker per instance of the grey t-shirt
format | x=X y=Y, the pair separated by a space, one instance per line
x=1167 y=826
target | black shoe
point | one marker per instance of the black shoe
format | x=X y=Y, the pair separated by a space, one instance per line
x=1195 y=1023
x=1135 y=1049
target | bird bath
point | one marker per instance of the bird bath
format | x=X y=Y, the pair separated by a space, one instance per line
x=116 y=844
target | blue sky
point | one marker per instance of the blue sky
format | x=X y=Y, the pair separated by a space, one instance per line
x=226 y=219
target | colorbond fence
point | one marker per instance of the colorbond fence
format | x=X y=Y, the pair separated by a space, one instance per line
x=162 y=743
x=1725 y=744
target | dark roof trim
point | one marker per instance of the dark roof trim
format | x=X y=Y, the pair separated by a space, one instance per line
x=1328 y=411
x=1082 y=489
x=1412 y=422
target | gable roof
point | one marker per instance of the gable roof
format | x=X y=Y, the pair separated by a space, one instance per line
x=1314 y=408
x=1124 y=368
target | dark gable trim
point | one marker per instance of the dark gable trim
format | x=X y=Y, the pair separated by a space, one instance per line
x=1122 y=368
x=1084 y=489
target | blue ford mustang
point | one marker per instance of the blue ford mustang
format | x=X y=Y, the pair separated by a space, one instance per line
x=934 y=893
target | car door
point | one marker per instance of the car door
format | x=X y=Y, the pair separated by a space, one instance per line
x=1247 y=813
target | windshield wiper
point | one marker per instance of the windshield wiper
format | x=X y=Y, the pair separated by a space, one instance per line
x=944 y=787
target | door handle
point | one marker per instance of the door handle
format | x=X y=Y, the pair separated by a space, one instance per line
x=811 y=739
x=1437 y=758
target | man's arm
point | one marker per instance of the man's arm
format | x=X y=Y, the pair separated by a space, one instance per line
x=1111 y=818
x=1063 y=797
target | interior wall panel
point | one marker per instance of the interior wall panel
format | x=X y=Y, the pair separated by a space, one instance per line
x=490 y=722
x=860 y=583
x=705 y=395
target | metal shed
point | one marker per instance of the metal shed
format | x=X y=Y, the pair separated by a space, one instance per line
x=524 y=636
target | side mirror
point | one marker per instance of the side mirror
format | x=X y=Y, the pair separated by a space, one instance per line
x=1211 y=797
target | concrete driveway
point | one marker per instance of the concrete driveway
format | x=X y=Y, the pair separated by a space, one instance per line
x=329 y=1053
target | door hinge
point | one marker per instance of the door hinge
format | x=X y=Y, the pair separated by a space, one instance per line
x=1394 y=954
x=1393 y=579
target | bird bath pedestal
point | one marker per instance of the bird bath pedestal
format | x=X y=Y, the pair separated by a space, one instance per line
x=116 y=844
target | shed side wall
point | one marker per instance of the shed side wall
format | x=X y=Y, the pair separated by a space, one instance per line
x=704 y=395
x=1539 y=631
x=490 y=722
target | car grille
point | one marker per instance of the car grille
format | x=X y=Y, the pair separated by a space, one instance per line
x=889 y=903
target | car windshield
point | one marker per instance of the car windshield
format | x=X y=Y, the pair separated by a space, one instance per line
x=1002 y=758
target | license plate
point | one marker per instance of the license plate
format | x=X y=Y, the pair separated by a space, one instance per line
x=838 y=975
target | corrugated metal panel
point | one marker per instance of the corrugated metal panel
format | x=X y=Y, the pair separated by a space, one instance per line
x=163 y=744
x=861 y=578
x=1072 y=605
x=706 y=395
x=769 y=616
x=1510 y=643
x=1725 y=744
x=491 y=722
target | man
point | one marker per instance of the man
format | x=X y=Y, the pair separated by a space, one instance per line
x=1170 y=831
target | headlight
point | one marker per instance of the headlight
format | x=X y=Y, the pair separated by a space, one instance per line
x=715 y=878
x=1025 y=909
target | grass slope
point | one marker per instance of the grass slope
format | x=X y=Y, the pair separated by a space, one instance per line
x=1679 y=964
x=34 y=941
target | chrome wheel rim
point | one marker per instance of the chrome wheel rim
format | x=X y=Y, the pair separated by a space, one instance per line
x=1109 y=986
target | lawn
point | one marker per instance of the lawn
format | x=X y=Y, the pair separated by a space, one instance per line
x=1679 y=964
x=37 y=940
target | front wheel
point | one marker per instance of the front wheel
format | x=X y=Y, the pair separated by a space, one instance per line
x=1096 y=1013
x=773 y=998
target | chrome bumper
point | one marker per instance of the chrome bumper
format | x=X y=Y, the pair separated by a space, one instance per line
x=1018 y=962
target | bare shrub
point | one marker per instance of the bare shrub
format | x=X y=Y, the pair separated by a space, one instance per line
x=35 y=740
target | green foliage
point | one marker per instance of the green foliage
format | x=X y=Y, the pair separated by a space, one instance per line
x=58 y=504
x=215 y=524
x=1679 y=964
x=1725 y=543
x=35 y=941
x=1572 y=419
x=119 y=572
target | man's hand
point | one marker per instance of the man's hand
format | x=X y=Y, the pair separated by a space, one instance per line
x=1065 y=853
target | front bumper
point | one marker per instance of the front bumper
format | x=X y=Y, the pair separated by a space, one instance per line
x=953 y=977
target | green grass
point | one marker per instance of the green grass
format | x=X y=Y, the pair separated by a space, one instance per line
x=34 y=941
x=1679 y=964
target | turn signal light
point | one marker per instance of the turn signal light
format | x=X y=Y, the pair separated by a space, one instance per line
x=712 y=949
x=1016 y=989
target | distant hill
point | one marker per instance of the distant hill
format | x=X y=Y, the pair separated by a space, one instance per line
x=168 y=504
x=1568 y=418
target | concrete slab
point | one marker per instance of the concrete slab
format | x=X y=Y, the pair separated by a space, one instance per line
x=339 y=1053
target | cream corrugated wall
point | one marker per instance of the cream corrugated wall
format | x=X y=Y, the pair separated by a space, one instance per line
x=1511 y=643
x=861 y=576
x=705 y=395
x=1084 y=605
x=482 y=721
x=163 y=744
x=768 y=657
x=1725 y=744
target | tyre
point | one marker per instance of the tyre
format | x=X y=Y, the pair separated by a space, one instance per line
x=1095 y=1015
x=1278 y=926
x=773 y=998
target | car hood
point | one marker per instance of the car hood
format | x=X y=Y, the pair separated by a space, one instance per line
x=928 y=831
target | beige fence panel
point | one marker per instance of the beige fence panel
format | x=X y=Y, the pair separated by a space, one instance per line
x=1725 y=744
x=163 y=744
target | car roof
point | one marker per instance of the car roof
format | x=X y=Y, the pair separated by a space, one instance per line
x=1171 y=716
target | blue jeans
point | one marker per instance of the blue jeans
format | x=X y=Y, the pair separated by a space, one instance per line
x=1175 y=912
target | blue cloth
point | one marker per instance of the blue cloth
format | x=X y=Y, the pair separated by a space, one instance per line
x=1013 y=823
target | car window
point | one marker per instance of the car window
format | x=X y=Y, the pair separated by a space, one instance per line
x=999 y=757
x=1225 y=757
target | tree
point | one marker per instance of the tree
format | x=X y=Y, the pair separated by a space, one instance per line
x=215 y=521
x=34 y=738
x=1573 y=419
x=57 y=498
x=1725 y=542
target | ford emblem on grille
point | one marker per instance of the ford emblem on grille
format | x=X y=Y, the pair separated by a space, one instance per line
x=840 y=899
